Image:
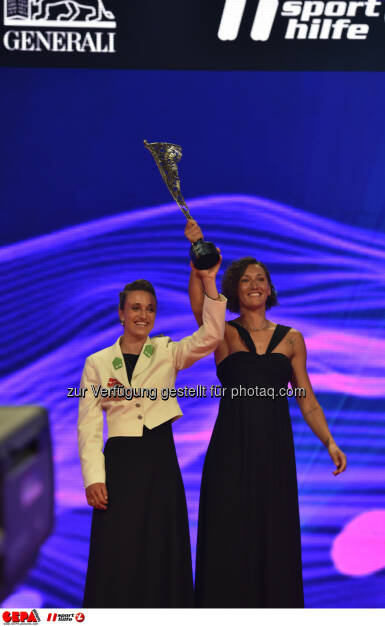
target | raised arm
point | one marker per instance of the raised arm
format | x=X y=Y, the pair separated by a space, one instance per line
x=196 y=292
x=212 y=322
x=201 y=281
x=206 y=339
x=309 y=405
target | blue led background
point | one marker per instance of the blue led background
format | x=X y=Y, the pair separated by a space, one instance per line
x=284 y=166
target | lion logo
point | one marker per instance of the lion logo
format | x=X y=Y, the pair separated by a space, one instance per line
x=90 y=10
x=50 y=12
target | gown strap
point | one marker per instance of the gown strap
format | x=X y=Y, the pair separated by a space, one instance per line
x=279 y=333
x=244 y=335
x=277 y=337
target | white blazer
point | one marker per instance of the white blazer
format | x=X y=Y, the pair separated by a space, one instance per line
x=156 y=368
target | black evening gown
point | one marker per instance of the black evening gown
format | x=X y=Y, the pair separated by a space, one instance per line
x=249 y=540
x=140 y=555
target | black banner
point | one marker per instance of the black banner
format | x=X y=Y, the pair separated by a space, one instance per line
x=195 y=34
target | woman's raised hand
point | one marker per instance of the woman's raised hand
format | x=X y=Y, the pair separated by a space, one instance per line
x=97 y=495
x=193 y=231
x=211 y=272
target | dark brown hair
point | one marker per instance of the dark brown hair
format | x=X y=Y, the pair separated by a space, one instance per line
x=136 y=285
x=231 y=280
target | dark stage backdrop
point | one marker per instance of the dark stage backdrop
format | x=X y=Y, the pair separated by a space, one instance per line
x=72 y=144
x=194 y=34
x=285 y=166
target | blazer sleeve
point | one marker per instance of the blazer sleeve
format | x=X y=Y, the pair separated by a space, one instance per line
x=205 y=340
x=90 y=429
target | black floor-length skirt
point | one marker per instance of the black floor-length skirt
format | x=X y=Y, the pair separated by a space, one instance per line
x=140 y=554
x=249 y=551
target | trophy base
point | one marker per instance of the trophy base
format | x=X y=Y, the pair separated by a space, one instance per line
x=203 y=254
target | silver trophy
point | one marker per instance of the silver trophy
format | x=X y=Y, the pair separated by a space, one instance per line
x=167 y=155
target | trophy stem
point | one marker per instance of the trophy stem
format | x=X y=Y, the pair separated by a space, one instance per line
x=185 y=211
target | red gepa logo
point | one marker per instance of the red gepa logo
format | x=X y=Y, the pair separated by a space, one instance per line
x=20 y=617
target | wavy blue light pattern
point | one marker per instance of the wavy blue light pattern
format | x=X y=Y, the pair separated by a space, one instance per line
x=59 y=304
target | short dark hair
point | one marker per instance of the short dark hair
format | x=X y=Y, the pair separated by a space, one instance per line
x=231 y=280
x=136 y=285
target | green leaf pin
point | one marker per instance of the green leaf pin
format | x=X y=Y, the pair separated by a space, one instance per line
x=117 y=363
x=148 y=350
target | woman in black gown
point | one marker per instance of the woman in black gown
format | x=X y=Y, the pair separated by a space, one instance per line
x=249 y=541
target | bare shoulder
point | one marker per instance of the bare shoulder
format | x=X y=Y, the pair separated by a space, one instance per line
x=230 y=330
x=295 y=338
x=294 y=335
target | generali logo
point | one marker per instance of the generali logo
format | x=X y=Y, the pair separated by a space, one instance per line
x=85 y=26
x=307 y=19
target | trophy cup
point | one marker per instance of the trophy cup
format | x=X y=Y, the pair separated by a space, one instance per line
x=166 y=155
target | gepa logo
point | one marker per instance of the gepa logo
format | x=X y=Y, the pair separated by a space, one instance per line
x=307 y=19
x=21 y=617
x=79 y=13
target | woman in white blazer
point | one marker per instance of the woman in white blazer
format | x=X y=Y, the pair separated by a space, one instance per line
x=140 y=546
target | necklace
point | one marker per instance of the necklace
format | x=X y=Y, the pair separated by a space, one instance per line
x=250 y=328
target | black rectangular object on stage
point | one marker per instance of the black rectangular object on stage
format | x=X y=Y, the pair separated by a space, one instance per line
x=342 y=35
x=26 y=490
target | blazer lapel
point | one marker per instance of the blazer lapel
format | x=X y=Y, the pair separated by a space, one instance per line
x=144 y=359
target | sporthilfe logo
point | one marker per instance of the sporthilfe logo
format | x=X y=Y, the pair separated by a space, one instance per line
x=232 y=17
x=307 y=19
